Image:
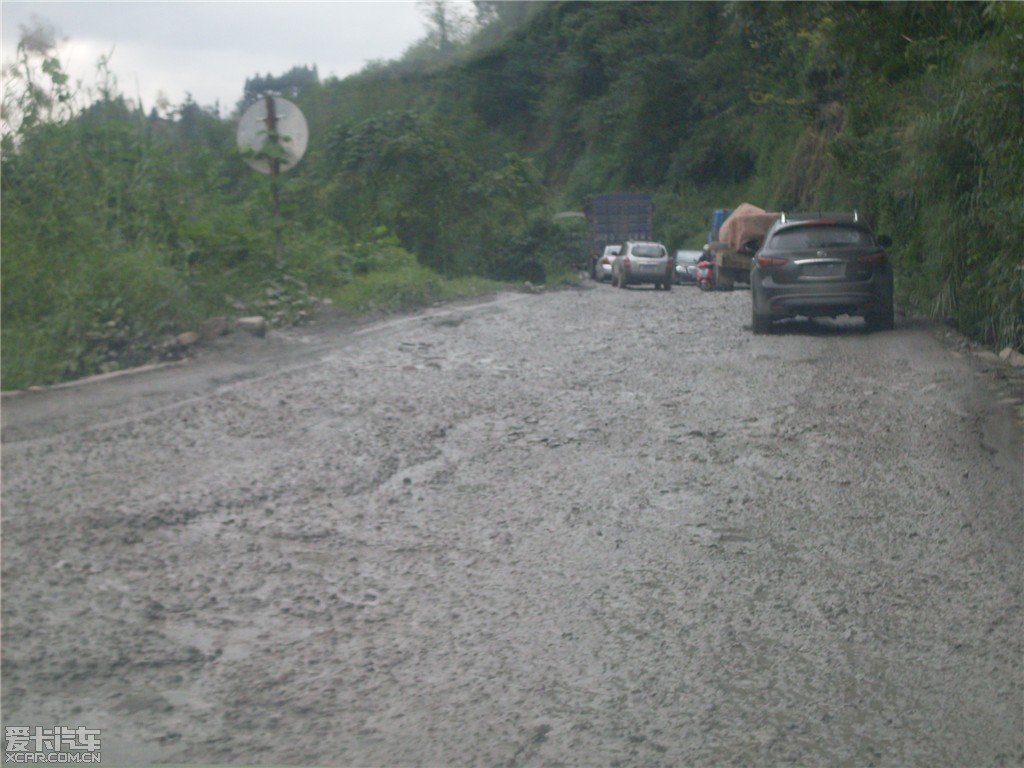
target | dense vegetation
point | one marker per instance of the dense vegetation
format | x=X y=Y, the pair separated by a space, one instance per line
x=425 y=175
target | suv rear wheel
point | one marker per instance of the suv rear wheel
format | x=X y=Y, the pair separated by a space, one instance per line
x=760 y=324
x=881 y=321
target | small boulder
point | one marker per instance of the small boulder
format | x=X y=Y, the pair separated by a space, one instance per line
x=256 y=325
x=1013 y=357
x=186 y=339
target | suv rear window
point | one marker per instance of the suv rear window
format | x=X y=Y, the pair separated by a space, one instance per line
x=648 y=251
x=820 y=236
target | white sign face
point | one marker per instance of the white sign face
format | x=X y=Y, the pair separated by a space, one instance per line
x=293 y=132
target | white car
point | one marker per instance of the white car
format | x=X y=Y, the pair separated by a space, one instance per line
x=643 y=262
x=603 y=268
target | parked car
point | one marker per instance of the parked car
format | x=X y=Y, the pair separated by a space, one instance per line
x=603 y=268
x=643 y=262
x=686 y=266
x=821 y=265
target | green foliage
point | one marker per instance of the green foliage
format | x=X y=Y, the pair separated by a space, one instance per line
x=934 y=146
x=104 y=313
x=410 y=287
x=290 y=84
x=36 y=89
x=430 y=179
x=541 y=249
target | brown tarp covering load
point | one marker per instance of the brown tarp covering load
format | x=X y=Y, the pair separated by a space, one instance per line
x=747 y=222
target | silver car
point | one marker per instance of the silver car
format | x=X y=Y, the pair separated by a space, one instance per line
x=603 y=268
x=643 y=262
x=686 y=266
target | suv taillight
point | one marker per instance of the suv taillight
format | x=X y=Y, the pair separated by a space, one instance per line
x=627 y=263
x=770 y=261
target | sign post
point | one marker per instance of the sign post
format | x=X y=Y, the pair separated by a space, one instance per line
x=273 y=135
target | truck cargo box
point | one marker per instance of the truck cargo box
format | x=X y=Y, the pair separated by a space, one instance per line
x=617 y=217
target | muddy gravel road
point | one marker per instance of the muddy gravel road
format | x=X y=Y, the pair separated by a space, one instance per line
x=585 y=527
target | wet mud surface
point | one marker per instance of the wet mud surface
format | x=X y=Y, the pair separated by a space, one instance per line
x=590 y=527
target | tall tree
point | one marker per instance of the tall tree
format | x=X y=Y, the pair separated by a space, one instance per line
x=448 y=24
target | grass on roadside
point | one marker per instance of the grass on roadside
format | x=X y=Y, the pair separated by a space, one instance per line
x=407 y=288
x=80 y=342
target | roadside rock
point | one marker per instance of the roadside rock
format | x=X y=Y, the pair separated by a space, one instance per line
x=186 y=339
x=256 y=325
x=1013 y=357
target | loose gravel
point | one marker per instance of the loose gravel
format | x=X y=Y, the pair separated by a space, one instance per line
x=584 y=527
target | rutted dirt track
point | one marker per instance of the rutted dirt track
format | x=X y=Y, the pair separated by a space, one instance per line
x=590 y=527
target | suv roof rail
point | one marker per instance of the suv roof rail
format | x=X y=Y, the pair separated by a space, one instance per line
x=848 y=217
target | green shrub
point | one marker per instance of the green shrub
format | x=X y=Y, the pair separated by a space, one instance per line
x=391 y=291
x=107 y=313
x=31 y=354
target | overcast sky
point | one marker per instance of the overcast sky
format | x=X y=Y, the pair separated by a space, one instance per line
x=208 y=49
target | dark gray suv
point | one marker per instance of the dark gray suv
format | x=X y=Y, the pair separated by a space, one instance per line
x=821 y=265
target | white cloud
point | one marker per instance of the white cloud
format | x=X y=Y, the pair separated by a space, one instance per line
x=208 y=49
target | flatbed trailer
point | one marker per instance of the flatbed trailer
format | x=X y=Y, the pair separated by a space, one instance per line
x=732 y=247
x=730 y=267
